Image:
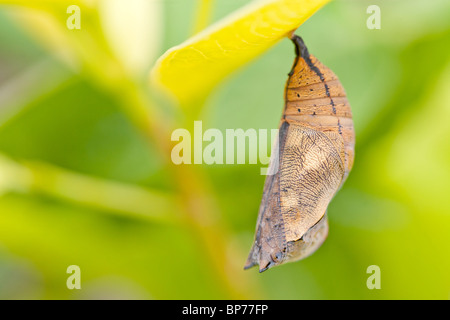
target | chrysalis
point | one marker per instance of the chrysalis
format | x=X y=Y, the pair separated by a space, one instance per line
x=316 y=149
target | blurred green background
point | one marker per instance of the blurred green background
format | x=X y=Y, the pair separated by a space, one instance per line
x=80 y=182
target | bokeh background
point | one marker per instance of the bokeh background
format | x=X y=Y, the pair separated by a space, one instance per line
x=82 y=182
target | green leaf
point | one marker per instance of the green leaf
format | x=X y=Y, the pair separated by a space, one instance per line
x=192 y=69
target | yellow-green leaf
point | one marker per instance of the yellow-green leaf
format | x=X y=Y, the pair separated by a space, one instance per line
x=190 y=70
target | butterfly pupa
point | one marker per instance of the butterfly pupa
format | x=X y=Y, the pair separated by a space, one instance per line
x=312 y=159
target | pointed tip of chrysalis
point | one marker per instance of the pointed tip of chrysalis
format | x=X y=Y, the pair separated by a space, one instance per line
x=261 y=259
x=267 y=267
x=252 y=257
x=250 y=263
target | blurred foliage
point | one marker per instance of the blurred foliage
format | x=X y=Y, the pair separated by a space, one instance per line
x=85 y=179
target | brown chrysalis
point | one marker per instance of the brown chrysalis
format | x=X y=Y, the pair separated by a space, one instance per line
x=316 y=149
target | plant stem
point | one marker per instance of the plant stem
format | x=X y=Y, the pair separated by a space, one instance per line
x=97 y=193
x=201 y=211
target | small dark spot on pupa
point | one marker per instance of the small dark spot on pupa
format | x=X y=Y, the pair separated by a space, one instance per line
x=311 y=90
x=298 y=95
x=314 y=113
x=299 y=110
